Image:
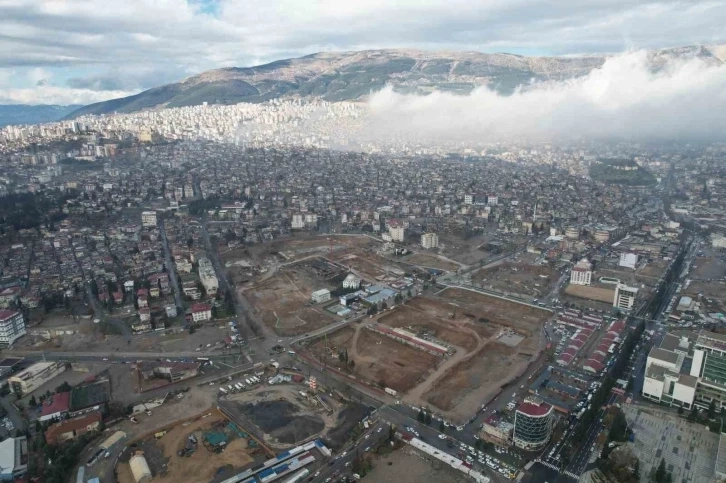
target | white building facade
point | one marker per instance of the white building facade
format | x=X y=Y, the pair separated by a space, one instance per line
x=581 y=273
x=12 y=327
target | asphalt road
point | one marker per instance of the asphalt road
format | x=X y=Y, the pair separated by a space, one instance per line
x=170 y=268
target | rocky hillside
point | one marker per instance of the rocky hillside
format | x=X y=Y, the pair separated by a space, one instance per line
x=353 y=75
x=29 y=114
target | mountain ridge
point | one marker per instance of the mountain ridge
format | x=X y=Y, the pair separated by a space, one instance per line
x=346 y=76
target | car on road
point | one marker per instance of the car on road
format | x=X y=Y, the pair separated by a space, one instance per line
x=379 y=430
x=442 y=436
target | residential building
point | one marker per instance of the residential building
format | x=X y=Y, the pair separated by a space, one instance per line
x=201 y=312
x=298 y=221
x=581 y=273
x=320 y=296
x=73 y=428
x=12 y=327
x=709 y=365
x=396 y=230
x=207 y=276
x=430 y=240
x=628 y=260
x=148 y=218
x=13 y=458
x=33 y=377
x=532 y=424
x=625 y=297
x=497 y=430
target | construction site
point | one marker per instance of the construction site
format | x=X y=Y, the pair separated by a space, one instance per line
x=207 y=448
x=518 y=278
x=453 y=351
x=286 y=414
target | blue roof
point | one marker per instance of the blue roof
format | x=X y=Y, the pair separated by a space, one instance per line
x=282 y=468
x=266 y=472
x=283 y=455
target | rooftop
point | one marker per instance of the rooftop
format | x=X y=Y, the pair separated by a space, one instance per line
x=534 y=407
x=664 y=355
x=58 y=403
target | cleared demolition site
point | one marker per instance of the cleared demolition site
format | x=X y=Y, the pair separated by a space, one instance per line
x=520 y=278
x=207 y=448
x=285 y=415
x=453 y=351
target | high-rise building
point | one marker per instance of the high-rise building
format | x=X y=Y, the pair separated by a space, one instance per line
x=624 y=297
x=581 y=273
x=532 y=424
x=12 y=327
x=396 y=230
x=148 y=218
x=429 y=240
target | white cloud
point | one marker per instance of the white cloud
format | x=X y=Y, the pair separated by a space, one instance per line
x=624 y=98
x=45 y=94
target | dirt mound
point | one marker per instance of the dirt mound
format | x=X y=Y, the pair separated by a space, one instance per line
x=281 y=421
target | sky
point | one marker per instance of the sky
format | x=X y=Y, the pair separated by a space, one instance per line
x=83 y=51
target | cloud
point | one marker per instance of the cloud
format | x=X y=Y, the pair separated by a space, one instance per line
x=625 y=98
x=45 y=94
x=188 y=36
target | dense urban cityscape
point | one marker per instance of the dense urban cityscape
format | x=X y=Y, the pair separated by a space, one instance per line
x=307 y=307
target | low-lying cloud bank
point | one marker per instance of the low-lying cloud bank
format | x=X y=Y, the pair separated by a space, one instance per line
x=626 y=98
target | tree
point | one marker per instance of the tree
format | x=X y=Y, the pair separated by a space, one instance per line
x=478 y=444
x=636 y=470
x=660 y=473
x=694 y=414
x=428 y=419
x=680 y=409
x=32 y=401
x=421 y=417
x=442 y=427
x=712 y=409
x=398 y=298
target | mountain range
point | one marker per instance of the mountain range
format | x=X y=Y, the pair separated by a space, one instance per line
x=33 y=114
x=353 y=75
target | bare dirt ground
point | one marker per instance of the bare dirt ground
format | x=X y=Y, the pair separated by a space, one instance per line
x=710 y=290
x=282 y=302
x=415 y=317
x=431 y=261
x=408 y=465
x=366 y=263
x=521 y=278
x=708 y=268
x=475 y=380
x=200 y=466
x=378 y=358
x=299 y=246
x=496 y=310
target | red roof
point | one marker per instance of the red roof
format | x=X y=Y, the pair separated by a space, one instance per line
x=531 y=409
x=59 y=403
x=196 y=308
x=6 y=314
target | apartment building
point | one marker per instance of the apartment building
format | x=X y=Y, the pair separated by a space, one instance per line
x=430 y=240
x=148 y=218
x=12 y=327
x=581 y=273
x=625 y=297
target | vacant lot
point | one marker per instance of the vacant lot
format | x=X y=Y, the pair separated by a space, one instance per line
x=708 y=268
x=408 y=465
x=520 y=278
x=283 y=302
x=709 y=290
x=168 y=467
x=431 y=261
x=424 y=323
x=300 y=246
x=474 y=381
x=499 y=311
x=366 y=263
x=377 y=358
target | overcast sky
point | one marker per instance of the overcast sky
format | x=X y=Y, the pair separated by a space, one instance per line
x=82 y=51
